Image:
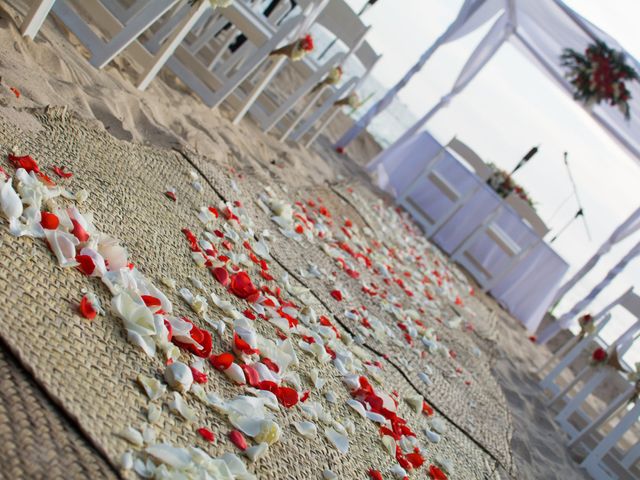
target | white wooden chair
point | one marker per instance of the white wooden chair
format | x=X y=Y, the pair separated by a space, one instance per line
x=595 y=463
x=215 y=86
x=514 y=247
x=628 y=300
x=593 y=377
x=339 y=19
x=368 y=58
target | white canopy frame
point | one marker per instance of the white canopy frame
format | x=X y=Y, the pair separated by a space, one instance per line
x=540 y=29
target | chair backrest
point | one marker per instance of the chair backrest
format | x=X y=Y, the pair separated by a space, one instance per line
x=528 y=214
x=472 y=158
x=630 y=301
x=341 y=20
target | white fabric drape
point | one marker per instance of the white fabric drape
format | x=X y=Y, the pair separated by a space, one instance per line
x=629 y=226
x=473 y=14
x=528 y=289
x=568 y=318
x=478 y=59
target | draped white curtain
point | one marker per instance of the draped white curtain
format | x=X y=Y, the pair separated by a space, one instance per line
x=473 y=14
x=568 y=318
x=629 y=226
x=478 y=59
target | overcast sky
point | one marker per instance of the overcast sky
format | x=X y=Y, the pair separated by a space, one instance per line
x=510 y=107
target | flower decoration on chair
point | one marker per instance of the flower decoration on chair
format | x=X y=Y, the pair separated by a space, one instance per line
x=599 y=356
x=332 y=78
x=503 y=184
x=297 y=50
x=600 y=74
x=587 y=327
x=352 y=100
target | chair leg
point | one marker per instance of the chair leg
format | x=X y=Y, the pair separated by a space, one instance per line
x=171 y=44
x=140 y=22
x=35 y=18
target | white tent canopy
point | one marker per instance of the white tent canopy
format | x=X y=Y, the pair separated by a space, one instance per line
x=541 y=30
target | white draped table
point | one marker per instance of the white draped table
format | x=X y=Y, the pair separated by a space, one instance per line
x=528 y=289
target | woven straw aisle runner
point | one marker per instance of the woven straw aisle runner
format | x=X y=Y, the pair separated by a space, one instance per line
x=90 y=369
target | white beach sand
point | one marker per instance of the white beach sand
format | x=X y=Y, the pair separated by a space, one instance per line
x=53 y=70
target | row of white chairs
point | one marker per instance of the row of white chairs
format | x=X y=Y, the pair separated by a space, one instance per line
x=193 y=40
x=608 y=436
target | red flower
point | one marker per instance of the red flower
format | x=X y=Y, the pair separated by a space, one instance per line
x=26 y=162
x=86 y=264
x=242 y=286
x=306 y=43
x=222 y=361
x=206 y=434
x=49 y=221
x=61 y=172
x=238 y=439
x=337 y=294
x=599 y=355
x=221 y=274
x=436 y=474
x=198 y=376
x=86 y=308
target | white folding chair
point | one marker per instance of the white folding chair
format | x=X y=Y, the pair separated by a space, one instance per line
x=92 y=21
x=595 y=463
x=514 y=242
x=216 y=85
x=592 y=378
x=438 y=174
x=628 y=300
x=368 y=59
x=339 y=19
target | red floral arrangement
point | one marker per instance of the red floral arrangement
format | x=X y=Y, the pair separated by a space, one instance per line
x=599 y=75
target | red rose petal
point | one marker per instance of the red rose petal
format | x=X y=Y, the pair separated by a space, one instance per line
x=242 y=286
x=238 y=439
x=15 y=91
x=171 y=195
x=49 y=221
x=287 y=396
x=206 y=434
x=61 y=172
x=86 y=309
x=375 y=475
x=222 y=361
x=221 y=275
x=151 y=301
x=26 y=162
x=337 y=294
x=78 y=231
x=86 y=264
x=436 y=474
x=198 y=376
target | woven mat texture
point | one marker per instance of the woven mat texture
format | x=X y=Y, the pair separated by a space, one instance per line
x=88 y=367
